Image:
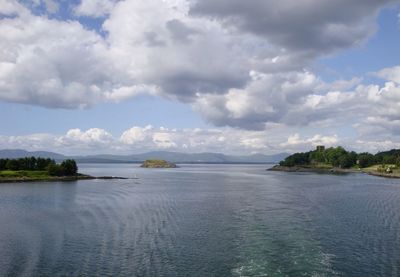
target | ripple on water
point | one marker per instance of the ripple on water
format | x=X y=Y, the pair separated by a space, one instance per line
x=202 y=221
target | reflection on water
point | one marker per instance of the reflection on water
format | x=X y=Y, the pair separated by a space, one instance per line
x=201 y=220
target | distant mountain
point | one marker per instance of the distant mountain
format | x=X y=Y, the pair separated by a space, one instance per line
x=178 y=157
x=19 y=153
x=175 y=157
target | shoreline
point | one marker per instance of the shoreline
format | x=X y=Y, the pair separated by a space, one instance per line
x=313 y=169
x=58 y=179
x=333 y=170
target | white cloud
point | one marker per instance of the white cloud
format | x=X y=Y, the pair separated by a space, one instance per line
x=141 y=139
x=135 y=135
x=164 y=140
x=294 y=141
x=9 y=7
x=79 y=141
x=391 y=74
x=51 y=6
x=224 y=140
x=94 y=8
x=234 y=67
x=94 y=135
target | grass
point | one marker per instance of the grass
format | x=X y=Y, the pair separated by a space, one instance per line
x=23 y=173
x=374 y=170
x=34 y=175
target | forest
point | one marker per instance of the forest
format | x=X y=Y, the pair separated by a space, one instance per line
x=65 y=168
x=339 y=157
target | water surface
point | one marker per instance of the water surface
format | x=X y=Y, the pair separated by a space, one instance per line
x=201 y=220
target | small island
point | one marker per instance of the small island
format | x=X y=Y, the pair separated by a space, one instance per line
x=31 y=169
x=338 y=160
x=158 y=164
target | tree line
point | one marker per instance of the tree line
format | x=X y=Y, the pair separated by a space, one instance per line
x=339 y=157
x=66 y=168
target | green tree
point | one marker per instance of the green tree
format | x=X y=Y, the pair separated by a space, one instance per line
x=346 y=161
x=54 y=169
x=317 y=157
x=12 y=165
x=296 y=159
x=365 y=159
x=333 y=155
x=3 y=163
x=70 y=168
x=398 y=161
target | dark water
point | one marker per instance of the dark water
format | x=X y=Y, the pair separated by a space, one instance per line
x=201 y=220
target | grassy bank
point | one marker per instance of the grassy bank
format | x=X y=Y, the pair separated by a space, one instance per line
x=36 y=175
x=379 y=170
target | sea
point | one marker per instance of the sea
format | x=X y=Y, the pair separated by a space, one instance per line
x=201 y=220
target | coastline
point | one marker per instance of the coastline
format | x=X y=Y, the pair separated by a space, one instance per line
x=313 y=169
x=332 y=170
x=57 y=179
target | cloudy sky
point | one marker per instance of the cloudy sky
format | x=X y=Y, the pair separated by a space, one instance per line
x=232 y=76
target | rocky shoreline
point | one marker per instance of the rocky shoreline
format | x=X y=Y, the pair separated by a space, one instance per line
x=312 y=169
x=333 y=170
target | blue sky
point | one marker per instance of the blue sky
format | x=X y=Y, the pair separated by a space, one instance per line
x=377 y=53
x=104 y=76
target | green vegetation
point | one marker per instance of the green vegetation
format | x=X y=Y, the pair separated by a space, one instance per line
x=23 y=174
x=158 y=164
x=323 y=158
x=39 y=169
x=383 y=163
x=36 y=169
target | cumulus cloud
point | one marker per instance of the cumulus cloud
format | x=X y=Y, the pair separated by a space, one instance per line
x=267 y=98
x=238 y=63
x=305 y=26
x=223 y=140
x=295 y=142
x=140 y=139
x=391 y=74
x=94 y=8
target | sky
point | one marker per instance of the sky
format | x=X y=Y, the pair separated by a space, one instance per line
x=238 y=77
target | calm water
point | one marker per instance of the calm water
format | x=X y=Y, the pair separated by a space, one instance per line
x=201 y=220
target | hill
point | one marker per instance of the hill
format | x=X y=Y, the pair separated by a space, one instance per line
x=175 y=157
x=178 y=157
x=19 y=153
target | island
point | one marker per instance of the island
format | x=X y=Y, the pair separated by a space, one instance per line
x=158 y=164
x=40 y=169
x=338 y=160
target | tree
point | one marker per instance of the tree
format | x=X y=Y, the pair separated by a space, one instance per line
x=317 y=157
x=3 y=163
x=296 y=159
x=333 y=155
x=42 y=164
x=346 y=161
x=70 y=168
x=398 y=161
x=12 y=165
x=366 y=159
x=54 y=169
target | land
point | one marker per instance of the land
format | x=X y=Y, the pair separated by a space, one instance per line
x=158 y=164
x=372 y=170
x=338 y=160
x=316 y=169
x=12 y=176
x=388 y=171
